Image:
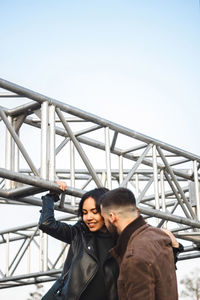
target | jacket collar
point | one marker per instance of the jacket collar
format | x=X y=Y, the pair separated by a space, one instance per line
x=124 y=237
x=90 y=242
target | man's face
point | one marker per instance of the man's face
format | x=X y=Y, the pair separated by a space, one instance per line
x=107 y=219
x=111 y=228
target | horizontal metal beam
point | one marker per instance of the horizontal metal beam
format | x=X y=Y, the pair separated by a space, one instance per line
x=168 y=217
x=38 y=182
x=31 y=275
x=189 y=256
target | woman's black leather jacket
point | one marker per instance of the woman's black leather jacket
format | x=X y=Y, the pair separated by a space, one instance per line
x=81 y=263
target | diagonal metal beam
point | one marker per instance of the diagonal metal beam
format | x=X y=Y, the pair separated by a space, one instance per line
x=79 y=149
x=114 y=141
x=171 y=212
x=169 y=169
x=15 y=257
x=176 y=194
x=24 y=251
x=19 y=143
x=139 y=147
x=136 y=165
x=143 y=192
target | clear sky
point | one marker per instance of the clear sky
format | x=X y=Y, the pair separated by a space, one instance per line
x=136 y=63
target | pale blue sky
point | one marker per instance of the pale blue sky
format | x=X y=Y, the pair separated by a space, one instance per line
x=136 y=63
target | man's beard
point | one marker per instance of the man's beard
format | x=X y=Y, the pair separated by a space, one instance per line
x=112 y=229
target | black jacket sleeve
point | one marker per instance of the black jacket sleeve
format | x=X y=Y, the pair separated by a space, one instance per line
x=176 y=252
x=49 y=225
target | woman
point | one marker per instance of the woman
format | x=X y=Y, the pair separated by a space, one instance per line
x=89 y=272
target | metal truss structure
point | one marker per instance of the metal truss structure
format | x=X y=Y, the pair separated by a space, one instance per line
x=44 y=140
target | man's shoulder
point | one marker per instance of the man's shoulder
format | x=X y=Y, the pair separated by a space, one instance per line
x=149 y=231
x=148 y=235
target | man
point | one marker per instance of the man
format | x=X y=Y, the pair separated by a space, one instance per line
x=144 y=253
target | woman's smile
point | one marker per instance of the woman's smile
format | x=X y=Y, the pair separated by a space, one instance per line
x=91 y=217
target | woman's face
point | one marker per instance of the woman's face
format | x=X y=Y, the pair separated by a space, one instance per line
x=91 y=217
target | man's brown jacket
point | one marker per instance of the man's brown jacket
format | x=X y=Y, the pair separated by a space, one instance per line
x=145 y=257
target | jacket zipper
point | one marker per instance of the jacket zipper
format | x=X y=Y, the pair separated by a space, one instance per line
x=59 y=290
x=87 y=282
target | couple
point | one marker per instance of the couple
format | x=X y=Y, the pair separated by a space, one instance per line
x=126 y=259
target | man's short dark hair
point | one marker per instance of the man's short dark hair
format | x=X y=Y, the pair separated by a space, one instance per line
x=118 y=197
x=96 y=195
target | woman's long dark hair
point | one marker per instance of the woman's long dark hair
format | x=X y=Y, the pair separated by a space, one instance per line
x=96 y=195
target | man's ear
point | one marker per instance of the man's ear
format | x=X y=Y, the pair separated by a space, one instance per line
x=113 y=217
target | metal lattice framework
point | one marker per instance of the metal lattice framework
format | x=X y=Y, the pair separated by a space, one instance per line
x=45 y=139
